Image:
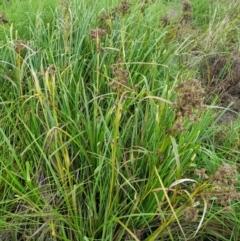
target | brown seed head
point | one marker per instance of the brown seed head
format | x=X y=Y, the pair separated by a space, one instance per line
x=165 y=21
x=97 y=34
x=189 y=101
x=223 y=186
x=120 y=76
x=201 y=173
x=191 y=214
x=3 y=18
x=124 y=7
x=186 y=6
x=190 y=97
x=19 y=46
x=105 y=20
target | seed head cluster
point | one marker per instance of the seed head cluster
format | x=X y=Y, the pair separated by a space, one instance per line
x=224 y=180
x=144 y=5
x=164 y=21
x=223 y=187
x=201 y=173
x=187 y=12
x=20 y=46
x=120 y=76
x=3 y=18
x=96 y=35
x=189 y=102
x=186 y=6
x=124 y=7
x=191 y=214
x=105 y=21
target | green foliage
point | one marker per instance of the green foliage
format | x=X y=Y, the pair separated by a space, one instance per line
x=24 y=16
x=104 y=134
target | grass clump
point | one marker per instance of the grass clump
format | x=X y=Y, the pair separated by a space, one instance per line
x=106 y=134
